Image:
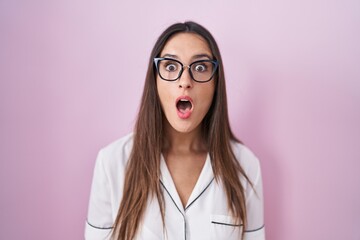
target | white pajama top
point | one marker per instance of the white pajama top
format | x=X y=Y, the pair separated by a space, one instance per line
x=206 y=215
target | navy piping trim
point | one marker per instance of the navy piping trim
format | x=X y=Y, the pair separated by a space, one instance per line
x=106 y=228
x=227 y=224
x=171 y=198
x=199 y=194
x=185 y=228
x=176 y=207
x=257 y=229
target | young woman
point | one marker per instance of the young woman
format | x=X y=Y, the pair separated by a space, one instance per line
x=182 y=174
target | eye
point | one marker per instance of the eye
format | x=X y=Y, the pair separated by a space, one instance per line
x=201 y=67
x=171 y=67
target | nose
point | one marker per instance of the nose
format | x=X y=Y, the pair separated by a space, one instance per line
x=185 y=79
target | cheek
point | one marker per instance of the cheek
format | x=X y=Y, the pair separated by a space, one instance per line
x=163 y=92
x=209 y=93
x=206 y=100
x=160 y=90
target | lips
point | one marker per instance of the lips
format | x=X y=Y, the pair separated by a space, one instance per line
x=184 y=106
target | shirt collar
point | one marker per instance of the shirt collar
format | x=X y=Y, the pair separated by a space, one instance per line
x=205 y=178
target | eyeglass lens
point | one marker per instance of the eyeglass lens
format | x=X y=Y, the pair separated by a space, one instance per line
x=200 y=71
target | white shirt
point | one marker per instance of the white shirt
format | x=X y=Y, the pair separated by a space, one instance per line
x=206 y=215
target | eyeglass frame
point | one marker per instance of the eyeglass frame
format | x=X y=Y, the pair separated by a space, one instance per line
x=215 y=62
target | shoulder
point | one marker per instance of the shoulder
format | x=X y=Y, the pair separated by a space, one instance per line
x=253 y=191
x=117 y=153
x=107 y=185
x=247 y=160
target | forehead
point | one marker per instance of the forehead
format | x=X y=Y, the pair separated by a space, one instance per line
x=186 y=46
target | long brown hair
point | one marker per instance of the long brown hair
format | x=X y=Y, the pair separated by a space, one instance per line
x=143 y=170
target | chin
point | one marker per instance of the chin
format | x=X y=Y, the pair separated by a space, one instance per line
x=184 y=128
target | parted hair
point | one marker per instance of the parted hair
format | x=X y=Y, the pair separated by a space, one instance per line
x=142 y=174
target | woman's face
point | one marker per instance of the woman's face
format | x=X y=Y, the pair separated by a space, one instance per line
x=184 y=101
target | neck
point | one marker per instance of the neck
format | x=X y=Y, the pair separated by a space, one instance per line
x=184 y=142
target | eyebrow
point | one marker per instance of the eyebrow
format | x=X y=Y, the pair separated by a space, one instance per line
x=197 y=56
x=201 y=56
x=170 y=56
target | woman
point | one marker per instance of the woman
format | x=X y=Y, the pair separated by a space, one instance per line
x=182 y=174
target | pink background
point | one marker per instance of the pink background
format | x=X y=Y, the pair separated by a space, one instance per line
x=71 y=77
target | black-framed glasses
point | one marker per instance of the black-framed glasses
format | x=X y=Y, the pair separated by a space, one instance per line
x=170 y=69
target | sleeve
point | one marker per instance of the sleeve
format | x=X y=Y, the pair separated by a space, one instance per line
x=99 y=220
x=255 y=208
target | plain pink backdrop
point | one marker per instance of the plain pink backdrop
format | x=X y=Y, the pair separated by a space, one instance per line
x=71 y=77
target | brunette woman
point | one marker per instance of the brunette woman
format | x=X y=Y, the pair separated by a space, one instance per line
x=182 y=174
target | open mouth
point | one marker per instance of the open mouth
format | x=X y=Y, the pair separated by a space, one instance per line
x=184 y=105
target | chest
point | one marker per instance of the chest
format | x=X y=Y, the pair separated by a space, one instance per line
x=206 y=217
x=185 y=171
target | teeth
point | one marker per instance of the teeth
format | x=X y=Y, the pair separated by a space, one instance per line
x=184 y=100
